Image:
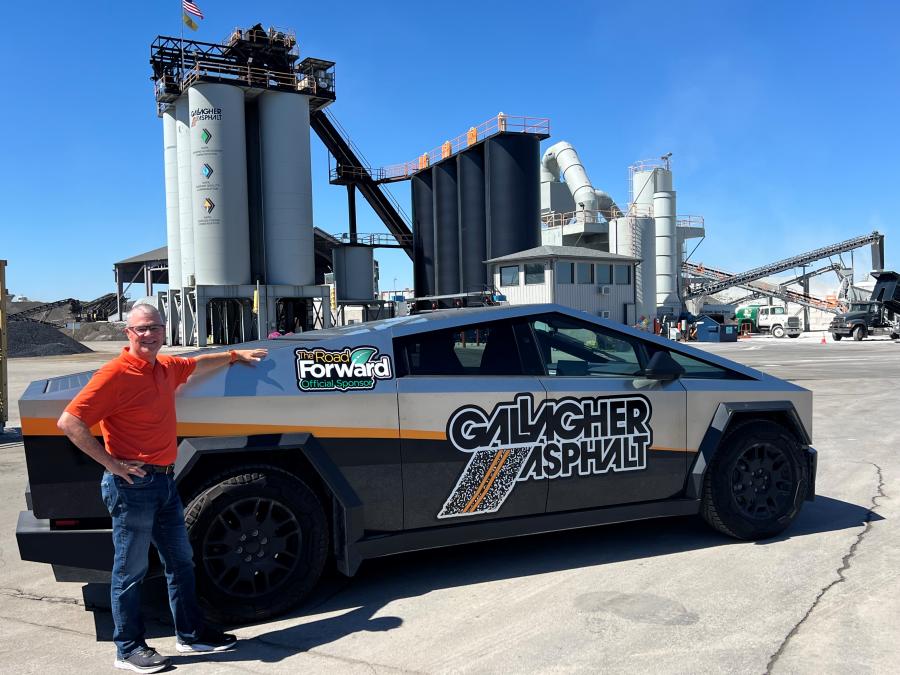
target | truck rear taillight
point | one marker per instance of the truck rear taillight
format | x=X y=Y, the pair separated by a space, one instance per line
x=64 y=524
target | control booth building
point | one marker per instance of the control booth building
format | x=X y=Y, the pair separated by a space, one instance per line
x=597 y=282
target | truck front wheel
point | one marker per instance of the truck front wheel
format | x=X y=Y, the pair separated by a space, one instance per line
x=836 y=337
x=756 y=482
x=778 y=331
x=859 y=333
x=260 y=541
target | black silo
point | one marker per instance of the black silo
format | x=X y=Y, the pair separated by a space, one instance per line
x=423 y=233
x=472 y=219
x=513 y=193
x=446 y=228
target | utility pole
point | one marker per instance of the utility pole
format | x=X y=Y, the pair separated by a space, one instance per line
x=4 y=355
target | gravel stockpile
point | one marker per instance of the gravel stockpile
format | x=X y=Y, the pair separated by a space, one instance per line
x=28 y=338
x=100 y=331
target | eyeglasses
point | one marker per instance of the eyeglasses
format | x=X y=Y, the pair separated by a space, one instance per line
x=144 y=330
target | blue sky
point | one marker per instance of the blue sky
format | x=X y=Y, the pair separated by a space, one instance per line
x=781 y=116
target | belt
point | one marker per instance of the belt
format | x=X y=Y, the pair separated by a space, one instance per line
x=167 y=469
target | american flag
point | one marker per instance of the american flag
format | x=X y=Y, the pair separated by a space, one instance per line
x=191 y=8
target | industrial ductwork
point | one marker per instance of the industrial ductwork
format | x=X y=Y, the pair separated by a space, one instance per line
x=561 y=162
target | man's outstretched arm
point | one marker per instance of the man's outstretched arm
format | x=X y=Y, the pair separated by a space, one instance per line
x=209 y=362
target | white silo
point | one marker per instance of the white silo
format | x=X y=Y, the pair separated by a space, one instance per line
x=219 y=173
x=641 y=226
x=185 y=191
x=666 y=244
x=173 y=224
x=286 y=189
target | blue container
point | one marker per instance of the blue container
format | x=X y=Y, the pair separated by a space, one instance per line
x=710 y=330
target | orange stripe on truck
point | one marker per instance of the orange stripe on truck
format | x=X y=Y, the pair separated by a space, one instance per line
x=41 y=426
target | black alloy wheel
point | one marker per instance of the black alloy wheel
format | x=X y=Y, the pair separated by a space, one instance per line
x=756 y=481
x=260 y=540
x=762 y=481
x=251 y=547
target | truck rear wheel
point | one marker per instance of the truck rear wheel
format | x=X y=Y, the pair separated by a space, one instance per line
x=756 y=482
x=260 y=541
x=859 y=333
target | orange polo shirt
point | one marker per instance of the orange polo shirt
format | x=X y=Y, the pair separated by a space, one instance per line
x=134 y=403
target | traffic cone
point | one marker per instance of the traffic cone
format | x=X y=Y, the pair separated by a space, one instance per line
x=823 y=339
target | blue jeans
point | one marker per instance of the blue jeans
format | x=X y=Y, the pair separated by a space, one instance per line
x=148 y=511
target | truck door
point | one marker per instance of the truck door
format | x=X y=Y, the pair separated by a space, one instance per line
x=613 y=437
x=465 y=405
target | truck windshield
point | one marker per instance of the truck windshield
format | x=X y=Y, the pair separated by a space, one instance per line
x=860 y=306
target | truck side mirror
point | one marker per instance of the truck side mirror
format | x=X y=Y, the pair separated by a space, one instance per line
x=663 y=368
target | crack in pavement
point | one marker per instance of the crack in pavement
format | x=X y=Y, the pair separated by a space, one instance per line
x=22 y=595
x=846 y=562
x=344 y=659
x=62 y=629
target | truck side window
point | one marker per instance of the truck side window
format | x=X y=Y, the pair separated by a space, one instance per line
x=570 y=347
x=481 y=349
x=696 y=369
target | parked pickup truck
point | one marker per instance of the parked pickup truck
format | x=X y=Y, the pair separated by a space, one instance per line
x=878 y=316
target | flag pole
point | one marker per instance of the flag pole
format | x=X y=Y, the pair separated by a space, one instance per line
x=181 y=84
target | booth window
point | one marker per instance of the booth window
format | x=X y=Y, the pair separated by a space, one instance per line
x=604 y=274
x=623 y=274
x=509 y=276
x=534 y=273
x=585 y=273
x=565 y=273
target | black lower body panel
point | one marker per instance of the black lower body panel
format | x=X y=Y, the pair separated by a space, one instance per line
x=501 y=528
x=82 y=549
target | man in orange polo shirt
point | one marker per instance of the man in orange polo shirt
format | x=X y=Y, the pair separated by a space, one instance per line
x=133 y=399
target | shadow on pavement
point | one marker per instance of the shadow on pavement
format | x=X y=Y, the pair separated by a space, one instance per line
x=379 y=582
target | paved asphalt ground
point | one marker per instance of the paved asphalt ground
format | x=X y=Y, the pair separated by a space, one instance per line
x=668 y=596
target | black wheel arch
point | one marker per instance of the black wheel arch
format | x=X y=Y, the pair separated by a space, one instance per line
x=201 y=458
x=727 y=417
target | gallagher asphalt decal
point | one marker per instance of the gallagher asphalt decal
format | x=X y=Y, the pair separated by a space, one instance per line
x=558 y=438
x=342 y=369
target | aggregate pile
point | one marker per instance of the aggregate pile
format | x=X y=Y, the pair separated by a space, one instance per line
x=101 y=331
x=30 y=338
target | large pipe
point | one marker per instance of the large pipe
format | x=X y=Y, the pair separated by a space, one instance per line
x=560 y=161
x=666 y=254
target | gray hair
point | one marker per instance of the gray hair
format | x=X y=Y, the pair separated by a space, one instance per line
x=145 y=308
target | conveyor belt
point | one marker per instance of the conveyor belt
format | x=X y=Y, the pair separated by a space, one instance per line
x=381 y=203
x=802 y=260
x=761 y=288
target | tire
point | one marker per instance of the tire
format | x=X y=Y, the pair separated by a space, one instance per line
x=836 y=337
x=794 y=335
x=894 y=336
x=763 y=457
x=270 y=516
x=778 y=331
x=859 y=333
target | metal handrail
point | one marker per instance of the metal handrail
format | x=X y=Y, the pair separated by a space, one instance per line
x=254 y=77
x=556 y=219
x=362 y=171
x=374 y=239
x=690 y=221
x=498 y=124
